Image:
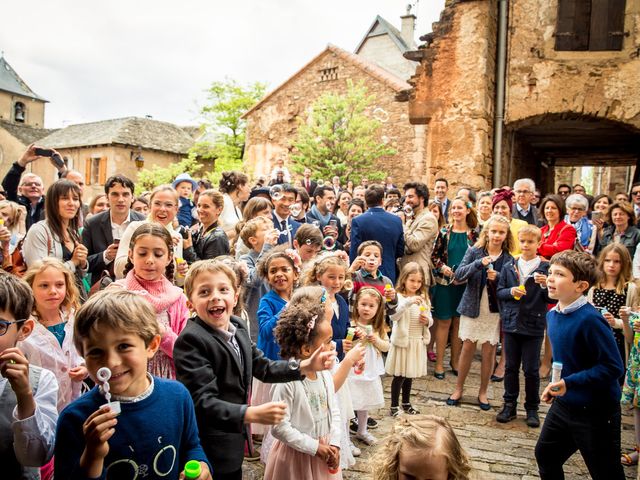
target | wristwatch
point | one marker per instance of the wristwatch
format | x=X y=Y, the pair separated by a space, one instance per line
x=294 y=364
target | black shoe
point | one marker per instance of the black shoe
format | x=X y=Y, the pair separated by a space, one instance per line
x=496 y=378
x=453 y=370
x=507 y=413
x=371 y=423
x=408 y=408
x=353 y=425
x=484 y=406
x=439 y=375
x=453 y=402
x=395 y=411
x=533 y=420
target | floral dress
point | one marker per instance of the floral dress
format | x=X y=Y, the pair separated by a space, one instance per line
x=631 y=387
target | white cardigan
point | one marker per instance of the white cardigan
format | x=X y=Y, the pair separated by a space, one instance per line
x=297 y=425
x=400 y=331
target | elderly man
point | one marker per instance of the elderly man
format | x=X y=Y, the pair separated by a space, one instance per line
x=524 y=190
x=420 y=231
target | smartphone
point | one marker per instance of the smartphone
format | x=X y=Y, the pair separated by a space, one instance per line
x=47 y=152
x=596 y=215
x=116 y=241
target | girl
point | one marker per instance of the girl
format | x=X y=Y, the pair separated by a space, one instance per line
x=479 y=315
x=435 y=209
x=410 y=335
x=631 y=387
x=614 y=289
x=51 y=344
x=209 y=240
x=149 y=270
x=308 y=438
x=366 y=386
x=451 y=244
x=14 y=217
x=428 y=444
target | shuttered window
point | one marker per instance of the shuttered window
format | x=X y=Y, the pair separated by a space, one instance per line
x=593 y=25
x=95 y=170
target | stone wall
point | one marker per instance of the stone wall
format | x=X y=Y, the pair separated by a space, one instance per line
x=10 y=151
x=272 y=126
x=34 y=109
x=383 y=51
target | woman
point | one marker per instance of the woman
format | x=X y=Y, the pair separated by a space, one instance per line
x=436 y=210
x=577 y=206
x=209 y=240
x=451 y=245
x=99 y=203
x=621 y=229
x=342 y=206
x=599 y=208
x=57 y=235
x=484 y=207
x=141 y=205
x=234 y=186
x=356 y=207
x=557 y=235
x=163 y=210
x=350 y=186
x=502 y=204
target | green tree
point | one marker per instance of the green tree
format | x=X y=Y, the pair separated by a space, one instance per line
x=339 y=138
x=154 y=176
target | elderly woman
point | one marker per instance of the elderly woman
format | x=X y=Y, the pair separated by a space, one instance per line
x=576 y=216
x=502 y=204
x=484 y=206
x=621 y=228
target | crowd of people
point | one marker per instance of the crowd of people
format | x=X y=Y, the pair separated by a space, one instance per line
x=192 y=327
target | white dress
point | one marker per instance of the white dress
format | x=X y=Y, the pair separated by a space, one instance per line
x=366 y=388
x=485 y=328
x=343 y=396
x=409 y=361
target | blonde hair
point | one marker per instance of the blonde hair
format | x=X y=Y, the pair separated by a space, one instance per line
x=251 y=227
x=378 y=320
x=531 y=231
x=320 y=265
x=483 y=239
x=17 y=217
x=210 y=266
x=427 y=433
x=71 y=299
x=409 y=269
x=625 y=276
x=119 y=310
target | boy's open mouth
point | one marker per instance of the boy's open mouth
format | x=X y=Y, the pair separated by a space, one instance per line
x=216 y=310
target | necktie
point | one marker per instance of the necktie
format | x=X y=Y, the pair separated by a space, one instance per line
x=284 y=225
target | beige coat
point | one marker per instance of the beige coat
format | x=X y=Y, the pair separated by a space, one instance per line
x=420 y=235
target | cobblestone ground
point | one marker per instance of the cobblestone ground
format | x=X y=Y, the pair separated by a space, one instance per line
x=497 y=451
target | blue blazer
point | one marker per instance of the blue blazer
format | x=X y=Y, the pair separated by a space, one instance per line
x=384 y=227
x=293 y=226
x=340 y=324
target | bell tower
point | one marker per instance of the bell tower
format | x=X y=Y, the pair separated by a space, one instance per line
x=18 y=103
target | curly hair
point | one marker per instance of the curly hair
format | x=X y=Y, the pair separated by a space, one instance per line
x=320 y=265
x=71 y=299
x=277 y=252
x=155 y=230
x=427 y=434
x=299 y=321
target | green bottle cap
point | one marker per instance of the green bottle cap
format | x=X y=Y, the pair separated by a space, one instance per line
x=192 y=469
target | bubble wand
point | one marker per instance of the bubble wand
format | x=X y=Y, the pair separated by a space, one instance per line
x=103 y=375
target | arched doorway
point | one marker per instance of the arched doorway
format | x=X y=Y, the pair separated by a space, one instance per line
x=544 y=146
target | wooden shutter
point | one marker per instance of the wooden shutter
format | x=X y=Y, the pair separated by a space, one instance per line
x=87 y=171
x=102 y=174
x=607 y=25
x=572 y=27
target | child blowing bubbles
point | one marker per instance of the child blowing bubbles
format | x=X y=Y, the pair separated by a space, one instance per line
x=308 y=439
x=216 y=360
x=118 y=330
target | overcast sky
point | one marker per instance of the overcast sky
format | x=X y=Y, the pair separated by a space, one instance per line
x=99 y=60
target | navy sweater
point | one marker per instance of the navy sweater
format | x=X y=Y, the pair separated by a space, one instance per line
x=340 y=324
x=591 y=364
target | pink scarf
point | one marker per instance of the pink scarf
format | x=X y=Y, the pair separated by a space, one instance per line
x=160 y=293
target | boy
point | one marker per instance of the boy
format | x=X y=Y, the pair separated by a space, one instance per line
x=308 y=242
x=28 y=394
x=523 y=314
x=260 y=236
x=185 y=186
x=156 y=434
x=364 y=272
x=216 y=360
x=585 y=413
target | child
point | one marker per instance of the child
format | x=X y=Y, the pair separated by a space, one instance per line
x=585 y=410
x=50 y=345
x=421 y=447
x=631 y=387
x=216 y=360
x=149 y=270
x=156 y=432
x=523 y=313
x=364 y=272
x=614 y=289
x=366 y=386
x=28 y=394
x=308 y=242
x=308 y=438
x=185 y=186
x=14 y=217
x=259 y=234
x=410 y=336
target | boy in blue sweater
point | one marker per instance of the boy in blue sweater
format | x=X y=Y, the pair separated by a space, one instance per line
x=156 y=434
x=585 y=410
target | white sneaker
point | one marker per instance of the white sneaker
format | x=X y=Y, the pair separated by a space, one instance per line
x=367 y=438
x=355 y=451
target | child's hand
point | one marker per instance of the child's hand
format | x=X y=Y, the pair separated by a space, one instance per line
x=540 y=279
x=354 y=355
x=517 y=293
x=271 y=237
x=417 y=300
x=492 y=275
x=270 y=413
x=205 y=474
x=14 y=366
x=608 y=316
x=97 y=430
x=5 y=234
x=486 y=261
x=319 y=360
x=423 y=318
x=360 y=333
x=636 y=326
x=334 y=460
x=78 y=374
x=347 y=345
x=389 y=294
x=181 y=268
x=324 y=452
x=343 y=255
x=548 y=395
x=625 y=313
x=357 y=264
x=370 y=337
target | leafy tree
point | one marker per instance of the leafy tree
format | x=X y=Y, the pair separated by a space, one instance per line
x=339 y=138
x=154 y=176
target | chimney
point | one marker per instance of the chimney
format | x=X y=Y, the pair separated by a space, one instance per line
x=408 y=28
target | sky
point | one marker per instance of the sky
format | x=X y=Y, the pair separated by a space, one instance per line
x=100 y=60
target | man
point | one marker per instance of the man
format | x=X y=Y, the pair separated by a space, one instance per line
x=376 y=224
x=635 y=197
x=392 y=193
x=420 y=231
x=358 y=192
x=524 y=190
x=388 y=184
x=308 y=184
x=537 y=196
x=564 y=190
x=281 y=215
x=31 y=194
x=322 y=211
x=623 y=197
x=335 y=183
x=102 y=232
x=441 y=187
x=580 y=190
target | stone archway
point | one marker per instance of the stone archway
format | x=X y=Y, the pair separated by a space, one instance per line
x=536 y=146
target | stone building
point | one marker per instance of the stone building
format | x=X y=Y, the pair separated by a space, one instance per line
x=379 y=63
x=568 y=83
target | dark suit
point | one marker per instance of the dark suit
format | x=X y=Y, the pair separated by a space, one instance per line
x=292 y=225
x=219 y=384
x=311 y=188
x=532 y=218
x=97 y=236
x=10 y=184
x=384 y=227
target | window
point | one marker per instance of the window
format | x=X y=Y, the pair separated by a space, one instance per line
x=96 y=171
x=329 y=73
x=19 y=112
x=590 y=25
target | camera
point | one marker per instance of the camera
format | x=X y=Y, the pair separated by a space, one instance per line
x=183 y=231
x=47 y=152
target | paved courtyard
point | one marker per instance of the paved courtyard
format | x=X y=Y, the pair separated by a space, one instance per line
x=497 y=451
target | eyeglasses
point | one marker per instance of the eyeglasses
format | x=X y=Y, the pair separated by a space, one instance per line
x=522 y=192
x=5 y=324
x=577 y=209
x=166 y=205
x=637 y=192
x=31 y=184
